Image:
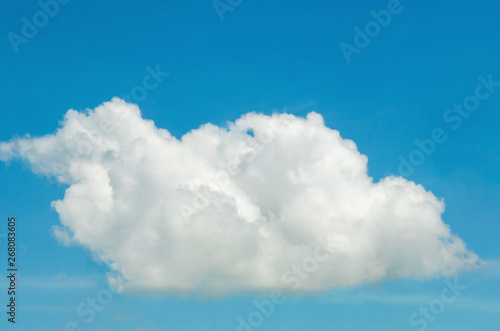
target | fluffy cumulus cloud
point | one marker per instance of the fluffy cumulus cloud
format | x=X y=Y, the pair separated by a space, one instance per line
x=265 y=202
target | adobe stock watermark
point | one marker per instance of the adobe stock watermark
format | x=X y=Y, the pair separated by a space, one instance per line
x=292 y=277
x=89 y=308
x=30 y=27
x=454 y=116
x=436 y=307
x=84 y=145
x=248 y=149
x=86 y=142
x=150 y=81
x=363 y=37
x=223 y=6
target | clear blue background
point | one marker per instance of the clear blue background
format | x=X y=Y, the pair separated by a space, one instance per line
x=264 y=55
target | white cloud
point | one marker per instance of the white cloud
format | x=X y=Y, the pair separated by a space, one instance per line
x=232 y=209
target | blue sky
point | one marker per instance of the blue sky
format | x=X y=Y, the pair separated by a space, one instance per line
x=261 y=56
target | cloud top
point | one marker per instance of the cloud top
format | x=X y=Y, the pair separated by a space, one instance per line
x=266 y=202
